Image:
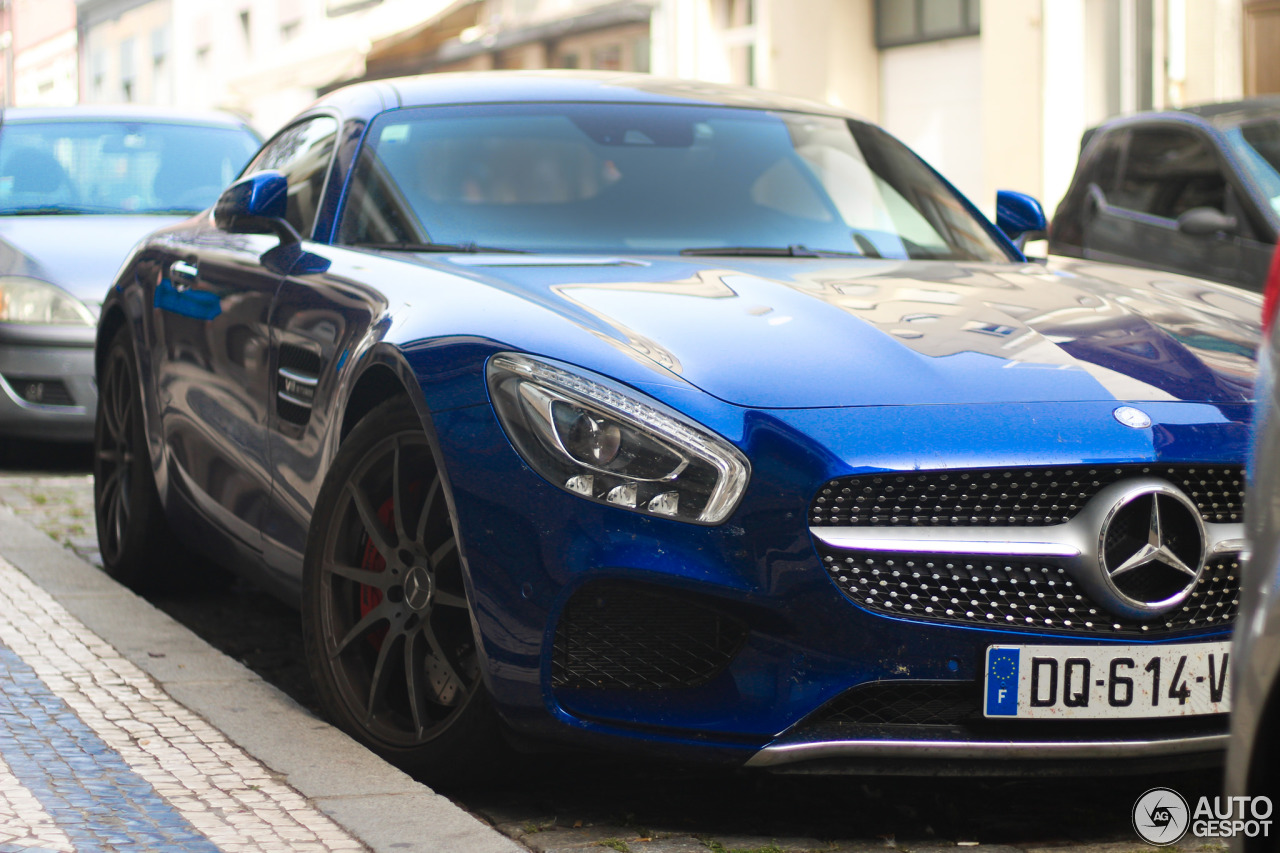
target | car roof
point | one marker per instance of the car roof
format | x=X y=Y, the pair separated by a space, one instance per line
x=157 y=115
x=1217 y=116
x=574 y=86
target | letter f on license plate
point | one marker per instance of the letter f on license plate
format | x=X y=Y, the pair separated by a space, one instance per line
x=1112 y=682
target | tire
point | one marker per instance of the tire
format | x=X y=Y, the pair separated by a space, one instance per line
x=134 y=539
x=386 y=622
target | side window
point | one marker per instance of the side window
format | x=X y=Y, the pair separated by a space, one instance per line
x=1168 y=172
x=302 y=152
x=1106 y=164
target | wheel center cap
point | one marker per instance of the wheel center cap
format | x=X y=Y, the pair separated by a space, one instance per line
x=418 y=587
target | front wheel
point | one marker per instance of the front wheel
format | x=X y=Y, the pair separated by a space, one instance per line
x=385 y=616
x=133 y=536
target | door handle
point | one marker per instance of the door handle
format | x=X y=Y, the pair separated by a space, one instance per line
x=182 y=275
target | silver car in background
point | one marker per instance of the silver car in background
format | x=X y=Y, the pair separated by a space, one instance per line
x=1253 y=756
x=79 y=186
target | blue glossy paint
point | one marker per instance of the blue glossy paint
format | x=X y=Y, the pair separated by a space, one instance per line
x=1018 y=213
x=814 y=368
x=198 y=305
x=248 y=205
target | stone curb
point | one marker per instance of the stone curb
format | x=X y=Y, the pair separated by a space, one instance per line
x=378 y=804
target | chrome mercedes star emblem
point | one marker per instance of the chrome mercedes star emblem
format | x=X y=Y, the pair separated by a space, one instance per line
x=1131 y=417
x=1152 y=549
x=418 y=588
x=1155 y=548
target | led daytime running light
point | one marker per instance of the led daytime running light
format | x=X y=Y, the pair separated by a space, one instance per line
x=731 y=468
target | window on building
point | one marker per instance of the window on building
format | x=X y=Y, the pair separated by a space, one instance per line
x=99 y=63
x=290 y=12
x=607 y=57
x=901 y=22
x=640 y=50
x=737 y=22
x=128 y=81
x=159 y=50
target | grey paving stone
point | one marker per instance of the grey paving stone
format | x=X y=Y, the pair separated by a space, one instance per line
x=784 y=845
x=419 y=821
x=559 y=837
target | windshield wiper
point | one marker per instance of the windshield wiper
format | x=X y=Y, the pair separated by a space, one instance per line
x=470 y=248
x=793 y=251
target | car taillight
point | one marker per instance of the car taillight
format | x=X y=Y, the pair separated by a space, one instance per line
x=1271 y=292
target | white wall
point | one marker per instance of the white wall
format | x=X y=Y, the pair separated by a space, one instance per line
x=931 y=99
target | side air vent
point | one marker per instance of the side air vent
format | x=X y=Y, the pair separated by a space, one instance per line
x=296 y=380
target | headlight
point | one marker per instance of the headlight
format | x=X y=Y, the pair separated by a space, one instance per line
x=610 y=446
x=29 y=300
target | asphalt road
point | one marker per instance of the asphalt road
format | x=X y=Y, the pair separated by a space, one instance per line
x=561 y=802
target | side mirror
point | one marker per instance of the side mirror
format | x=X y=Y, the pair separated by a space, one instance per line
x=1020 y=217
x=1205 y=222
x=256 y=204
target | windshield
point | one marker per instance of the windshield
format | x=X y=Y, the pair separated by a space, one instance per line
x=1258 y=146
x=652 y=179
x=78 y=166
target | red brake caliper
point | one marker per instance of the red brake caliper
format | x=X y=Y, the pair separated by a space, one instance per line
x=371 y=597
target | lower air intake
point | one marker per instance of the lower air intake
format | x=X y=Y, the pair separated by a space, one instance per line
x=626 y=636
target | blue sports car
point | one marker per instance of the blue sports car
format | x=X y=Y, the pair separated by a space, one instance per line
x=686 y=420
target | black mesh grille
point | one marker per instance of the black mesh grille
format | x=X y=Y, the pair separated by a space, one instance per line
x=43 y=392
x=1010 y=496
x=901 y=703
x=1016 y=594
x=952 y=710
x=625 y=636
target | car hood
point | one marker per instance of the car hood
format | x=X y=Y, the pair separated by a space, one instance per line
x=80 y=254
x=803 y=333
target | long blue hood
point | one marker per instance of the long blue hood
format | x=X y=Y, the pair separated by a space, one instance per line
x=790 y=333
x=80 y=254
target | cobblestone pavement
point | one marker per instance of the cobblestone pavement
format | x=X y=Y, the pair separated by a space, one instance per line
x=94 y=756
x=557 y=804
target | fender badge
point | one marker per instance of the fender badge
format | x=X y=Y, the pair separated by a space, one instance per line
x=1131 y=417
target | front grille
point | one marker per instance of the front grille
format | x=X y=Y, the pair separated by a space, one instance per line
x=952 y=710
x=1010 y=496
x=627 y=636
x=901 y=703
x=42 y=392
x=1016 y=594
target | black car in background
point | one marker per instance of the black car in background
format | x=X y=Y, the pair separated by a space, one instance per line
x=1193 y=191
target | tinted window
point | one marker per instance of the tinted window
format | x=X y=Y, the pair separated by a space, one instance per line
x=613 y=177
x=302 y=152
x=1257 y=145
x=1105 y=167
x=1168 y=172
x=82 y=166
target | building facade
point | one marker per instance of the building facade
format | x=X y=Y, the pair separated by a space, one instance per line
x=40 y=53
x=995 y=93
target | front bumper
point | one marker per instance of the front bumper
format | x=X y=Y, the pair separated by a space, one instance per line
x=539 y=558
x=47 y=388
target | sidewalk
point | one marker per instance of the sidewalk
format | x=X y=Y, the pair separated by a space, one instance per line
x=121 y=730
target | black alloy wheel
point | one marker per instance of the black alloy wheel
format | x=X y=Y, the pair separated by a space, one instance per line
x=133 y=537
x=386 y=621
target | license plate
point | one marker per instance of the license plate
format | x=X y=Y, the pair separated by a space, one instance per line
x=1112 y=682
